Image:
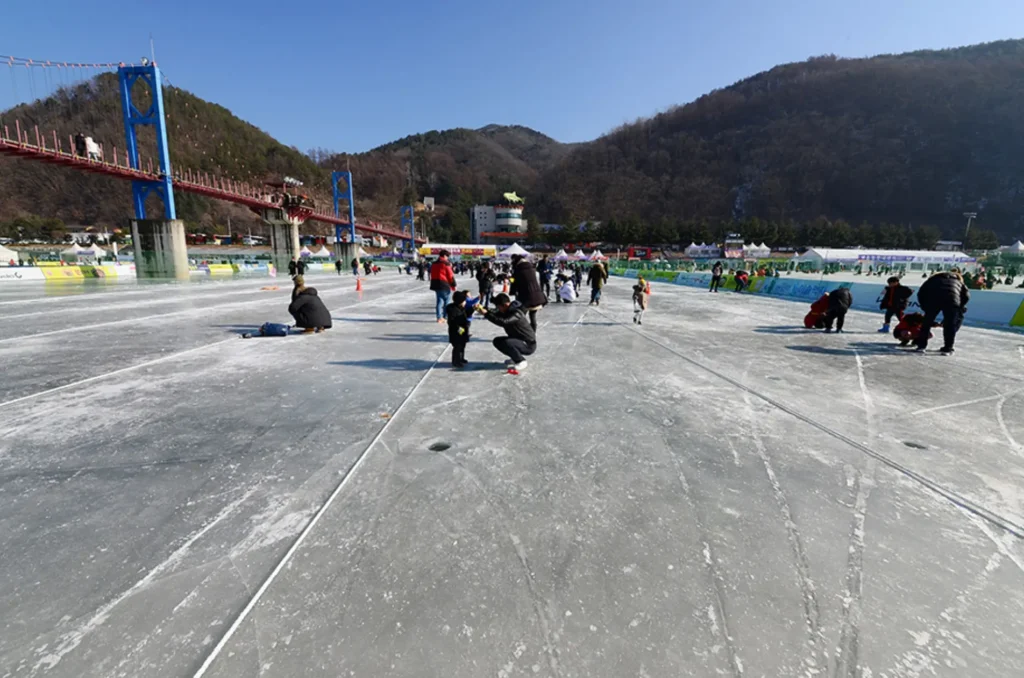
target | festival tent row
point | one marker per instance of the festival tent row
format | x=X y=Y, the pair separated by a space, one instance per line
x=712 y=251
x=820 y=256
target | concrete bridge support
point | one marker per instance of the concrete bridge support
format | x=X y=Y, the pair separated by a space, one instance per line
x=160 y=248
x=284 y=236
x=346 y=252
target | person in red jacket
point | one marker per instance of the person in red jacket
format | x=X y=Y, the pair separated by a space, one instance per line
x=442 y=281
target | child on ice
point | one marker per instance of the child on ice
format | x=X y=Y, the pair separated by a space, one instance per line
x=458 y=327
x=641 y=290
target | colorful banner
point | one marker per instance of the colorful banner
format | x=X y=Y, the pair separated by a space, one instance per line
x=20 y=273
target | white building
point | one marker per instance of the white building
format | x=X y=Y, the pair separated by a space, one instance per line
x=907 y=260
x=481 y=220
x=496 y=224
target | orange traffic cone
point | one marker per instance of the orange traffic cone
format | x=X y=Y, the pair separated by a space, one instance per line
x=359 y=284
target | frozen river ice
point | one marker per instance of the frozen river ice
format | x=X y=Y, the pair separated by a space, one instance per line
x=716 y=493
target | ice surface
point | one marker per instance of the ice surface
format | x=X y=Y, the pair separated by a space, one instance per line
x=620 y=508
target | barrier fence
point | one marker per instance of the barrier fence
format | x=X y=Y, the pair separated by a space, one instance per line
x=1000 y=309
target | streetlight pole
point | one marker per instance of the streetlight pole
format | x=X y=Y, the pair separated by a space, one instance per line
x=970 y=217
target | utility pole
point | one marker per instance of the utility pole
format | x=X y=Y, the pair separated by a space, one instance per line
x=970 y=217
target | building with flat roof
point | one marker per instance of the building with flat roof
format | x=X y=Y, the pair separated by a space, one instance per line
x=497 y=224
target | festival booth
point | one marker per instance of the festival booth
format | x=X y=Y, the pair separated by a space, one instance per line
x=322 y=253
x=579 y=256
x=820 y=258
x=597 y=256
x=7 y=256
x=305 y=252
x=560 y=255
x=459 y=251
x=702 y=251
x=79 y=253
x=513 y=251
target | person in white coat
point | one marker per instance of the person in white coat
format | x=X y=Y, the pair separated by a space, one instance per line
x=567 y=292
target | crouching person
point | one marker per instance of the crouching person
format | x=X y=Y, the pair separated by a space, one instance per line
x=309 y=312
x=521 y=340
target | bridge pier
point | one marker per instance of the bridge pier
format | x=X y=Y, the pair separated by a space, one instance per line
x=284 y=236
x=346 y=252
x=160 y=248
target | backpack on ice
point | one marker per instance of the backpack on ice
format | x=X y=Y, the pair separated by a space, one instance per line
x=274 y=330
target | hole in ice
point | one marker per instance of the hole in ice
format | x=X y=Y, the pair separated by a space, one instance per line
x=439 y=447
x=916 y=446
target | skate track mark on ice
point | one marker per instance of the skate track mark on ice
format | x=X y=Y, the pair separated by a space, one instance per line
x=1014 y=528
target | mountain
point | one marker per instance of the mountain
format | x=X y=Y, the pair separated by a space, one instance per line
x=917 y=138
x=457 y=166
x=888 y=150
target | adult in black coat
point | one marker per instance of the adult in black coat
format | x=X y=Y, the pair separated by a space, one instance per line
x=945 y=293
x=520 y=339
x=309 y=312
x=526 y=287
x=839 y=302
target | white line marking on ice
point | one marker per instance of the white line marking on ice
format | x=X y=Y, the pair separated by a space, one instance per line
x=115 y=372
x=962 y=404
x=1014 y=445
x=69 y=641
x=163 y=358
x=364 y=455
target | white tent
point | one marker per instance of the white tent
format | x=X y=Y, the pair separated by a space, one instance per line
x=515 y=249
x=93 y=251
x=560 y=255
x=764 y=250
x=597 y=256
x=7 y=255
x=580 y=256
x=304 y=252
x=322 y=253
x=75 y=249
x=1016 y=248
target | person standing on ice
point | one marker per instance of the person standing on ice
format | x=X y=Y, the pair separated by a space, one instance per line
x=597 y=277
x=544 y=269
x=485 y=281
x=526 y=287
x=894 y=302
x=520 y=339
x=716 y=276
x=839 y=302
x=945 y=293
x=442 y=282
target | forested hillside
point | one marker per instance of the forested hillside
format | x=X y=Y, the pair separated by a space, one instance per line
x=913 y=139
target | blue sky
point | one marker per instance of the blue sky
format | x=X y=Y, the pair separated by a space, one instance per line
x=351 y=75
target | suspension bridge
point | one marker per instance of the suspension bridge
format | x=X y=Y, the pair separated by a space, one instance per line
x=159 y=238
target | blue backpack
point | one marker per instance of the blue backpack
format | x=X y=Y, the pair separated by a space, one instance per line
x=274 y=330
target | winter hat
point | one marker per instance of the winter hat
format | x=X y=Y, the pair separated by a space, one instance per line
x=459 y=297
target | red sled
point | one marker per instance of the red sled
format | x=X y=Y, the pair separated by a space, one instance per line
x=910 y=327
x=816 y=318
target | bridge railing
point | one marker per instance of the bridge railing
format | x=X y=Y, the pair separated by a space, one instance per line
x=48 y=147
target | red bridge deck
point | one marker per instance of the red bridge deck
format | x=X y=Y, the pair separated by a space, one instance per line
x=188 y=182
